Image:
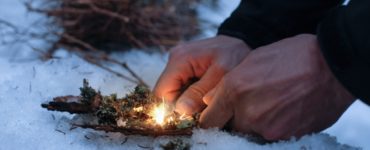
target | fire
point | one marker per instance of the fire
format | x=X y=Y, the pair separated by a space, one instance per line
x=159 y=113
x=161 y=116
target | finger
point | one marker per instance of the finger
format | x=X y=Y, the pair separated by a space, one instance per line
x=173 y=77
x=208 y=97
x=219 y=110
x=191 y=100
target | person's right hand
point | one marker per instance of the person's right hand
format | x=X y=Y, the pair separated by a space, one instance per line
x=208 y=60
x=280 y=90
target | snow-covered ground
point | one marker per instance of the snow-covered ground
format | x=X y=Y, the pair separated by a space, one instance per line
x=26 y=82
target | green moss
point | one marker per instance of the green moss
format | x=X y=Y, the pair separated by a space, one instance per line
x=185 y=124
x=87 y=93
x=141 y=90
x=107 y=115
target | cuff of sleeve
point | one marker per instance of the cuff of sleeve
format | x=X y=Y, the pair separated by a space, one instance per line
x=339 y=55
x=248 y=30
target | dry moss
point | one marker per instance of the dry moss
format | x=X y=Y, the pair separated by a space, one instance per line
x=132 y=114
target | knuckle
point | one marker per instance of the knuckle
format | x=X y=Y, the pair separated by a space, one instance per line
x=197 y=90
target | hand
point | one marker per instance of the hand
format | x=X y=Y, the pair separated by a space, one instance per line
x=280 y=90
x=208 y=60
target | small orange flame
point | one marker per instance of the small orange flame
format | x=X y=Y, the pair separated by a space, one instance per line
x=159 y=113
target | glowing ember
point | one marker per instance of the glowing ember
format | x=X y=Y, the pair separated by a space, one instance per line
x=139 y=109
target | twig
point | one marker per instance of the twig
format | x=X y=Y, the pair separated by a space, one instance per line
x=145 y=147
x=60 y=131
x=109 y=13
x=72 y=128
x=124 y=141
x=93 y=61
x=125 y=65
x=15 y=28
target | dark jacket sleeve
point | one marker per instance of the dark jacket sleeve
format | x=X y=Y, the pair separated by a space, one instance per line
x=260 y=22
x=344 y=37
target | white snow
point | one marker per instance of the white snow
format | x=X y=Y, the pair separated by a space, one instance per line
x=26 y=82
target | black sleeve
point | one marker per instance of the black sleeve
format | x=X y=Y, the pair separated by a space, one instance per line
x=260 y=22
x=344 y=37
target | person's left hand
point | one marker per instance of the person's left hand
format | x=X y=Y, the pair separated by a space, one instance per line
x=280 y=90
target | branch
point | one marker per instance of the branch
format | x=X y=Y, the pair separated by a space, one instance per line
x=109 y=13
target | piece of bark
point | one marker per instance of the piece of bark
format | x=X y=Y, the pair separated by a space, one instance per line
x=72 y=104
x=73 y=107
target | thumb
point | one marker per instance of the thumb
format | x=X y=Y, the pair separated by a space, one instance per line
x=207 y=99
x=219 y=110
x=191 y=101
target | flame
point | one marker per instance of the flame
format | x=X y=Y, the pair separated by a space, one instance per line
x=159 y=113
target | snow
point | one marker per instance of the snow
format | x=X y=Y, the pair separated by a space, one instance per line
x=26 y=82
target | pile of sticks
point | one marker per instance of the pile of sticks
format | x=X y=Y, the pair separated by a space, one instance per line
x=93 y=28
x=119 y=24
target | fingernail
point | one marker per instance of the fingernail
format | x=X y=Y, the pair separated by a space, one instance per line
x=185 y=106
